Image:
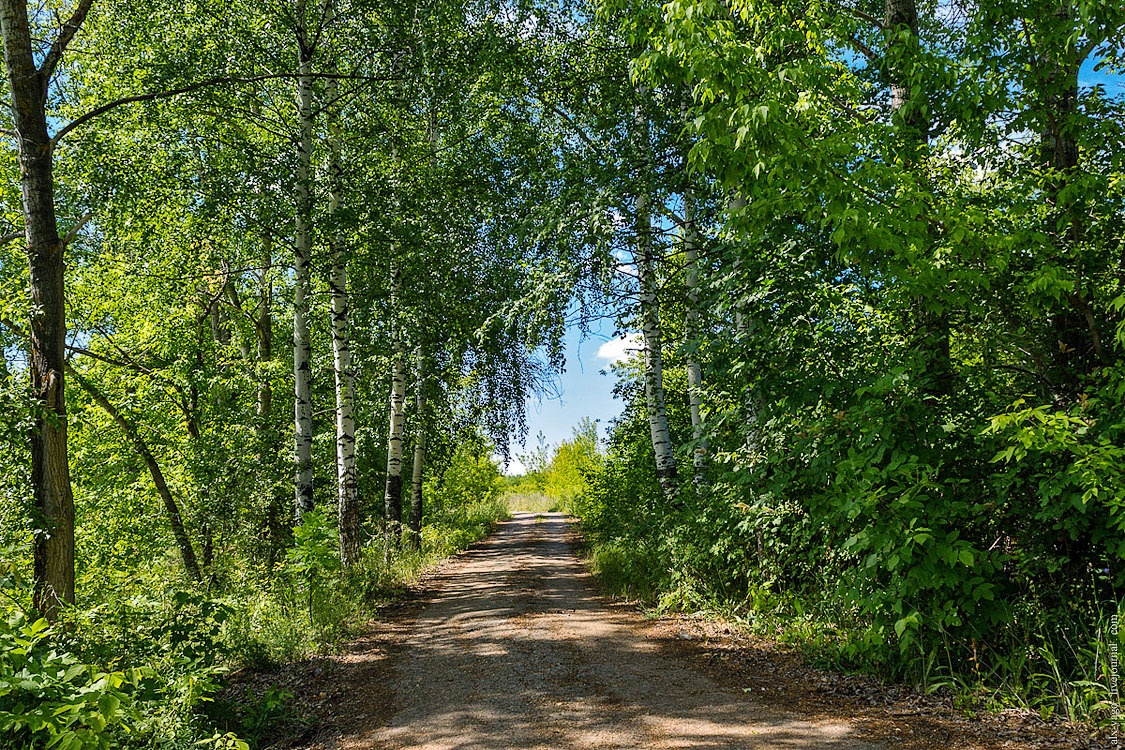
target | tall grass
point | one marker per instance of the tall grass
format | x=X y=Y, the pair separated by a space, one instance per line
x=276 y=624
x=532 y=502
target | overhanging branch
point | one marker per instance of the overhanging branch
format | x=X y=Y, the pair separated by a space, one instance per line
x=190 y=88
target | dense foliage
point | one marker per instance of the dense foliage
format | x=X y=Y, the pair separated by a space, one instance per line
x=893 y=250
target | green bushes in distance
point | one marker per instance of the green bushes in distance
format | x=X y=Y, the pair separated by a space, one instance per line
x=470 y=476
x=556 y=476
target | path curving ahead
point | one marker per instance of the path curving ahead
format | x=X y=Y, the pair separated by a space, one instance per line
x=515 y=651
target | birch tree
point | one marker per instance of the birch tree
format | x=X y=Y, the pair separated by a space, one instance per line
x=302 y=266
x=347 y=490
x=420 y=428
x=392 y=496
x=692 y=333
x=649 y=303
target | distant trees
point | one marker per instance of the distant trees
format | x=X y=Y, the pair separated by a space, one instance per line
x=561 y=471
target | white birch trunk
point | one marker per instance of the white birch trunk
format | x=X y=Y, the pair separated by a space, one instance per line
x=691 y=329
x=650 y=314
x=347 y=492
x=302 y=345
x=392 y=498
x=418 y=472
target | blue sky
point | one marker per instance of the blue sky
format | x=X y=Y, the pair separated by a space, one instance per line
x=1087 y=76
x=582 y=391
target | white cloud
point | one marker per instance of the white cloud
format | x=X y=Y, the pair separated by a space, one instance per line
x=618 y=350
x=515 y=467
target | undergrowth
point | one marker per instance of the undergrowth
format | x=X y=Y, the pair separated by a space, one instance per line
x=1063 y=670
x=141 y=668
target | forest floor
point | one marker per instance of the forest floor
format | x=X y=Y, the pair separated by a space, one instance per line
x=509 y=645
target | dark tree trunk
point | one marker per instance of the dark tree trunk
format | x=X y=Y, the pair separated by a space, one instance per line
x=263 y=329
x=418 y=470
x=930 y=337
x=171 y=507
x=392 y=497
x=1077 y=349
x=277 y=526
x=53 y=554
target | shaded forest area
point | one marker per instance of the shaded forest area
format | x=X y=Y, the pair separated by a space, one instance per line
x=279 y=278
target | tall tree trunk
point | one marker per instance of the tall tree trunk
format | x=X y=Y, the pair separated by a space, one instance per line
x=245 y=345
x=912 y=126
x=263 y=330
x=171 y=507
x=742 y=328
x=650 y=310
x=691 y=334
x=268 y=439
x=347 y=491
x=1077 y=348
x=392 y=498
x=302 y=344
x=418 y=471
x=901 y=23
x=53 y=554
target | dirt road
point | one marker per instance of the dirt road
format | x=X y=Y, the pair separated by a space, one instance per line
x=515 y=650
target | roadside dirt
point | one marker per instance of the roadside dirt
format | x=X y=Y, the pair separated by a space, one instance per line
x=510 y=646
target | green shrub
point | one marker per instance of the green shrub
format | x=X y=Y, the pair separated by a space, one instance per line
x=50 y=699
x=469 y=476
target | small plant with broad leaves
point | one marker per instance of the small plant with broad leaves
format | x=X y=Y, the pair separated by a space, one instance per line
x=314 y=559
x=49 y=699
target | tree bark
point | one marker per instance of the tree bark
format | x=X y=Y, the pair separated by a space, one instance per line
x=751 y=416
x=650 y=311
x=171 y=507
x=347 y=492
x=691 y=332
x=901 y=22
x=930 y=338
x=277 y=527
x=418 y=469
x=1077 y=349
x=302 y=345
x=392 y=498
x=53 y=554
x=263 y=329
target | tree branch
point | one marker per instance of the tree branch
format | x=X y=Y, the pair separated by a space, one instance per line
x=187 y=89
x=74 y=230
x=864 y=49
x=856 y=13
x=171 y=507
x=66 y=33
x=16 y=234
